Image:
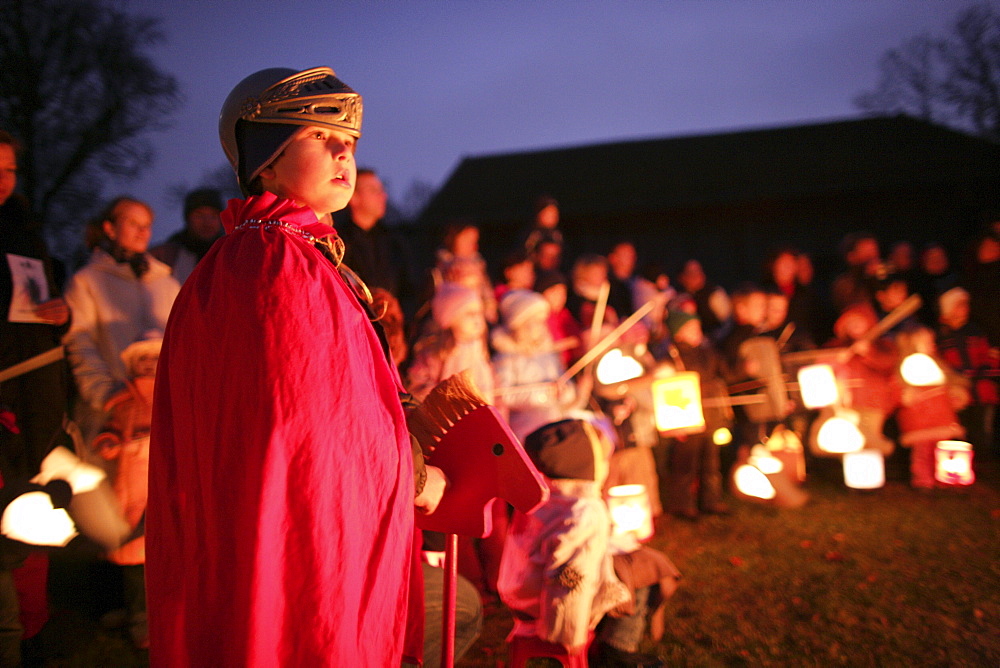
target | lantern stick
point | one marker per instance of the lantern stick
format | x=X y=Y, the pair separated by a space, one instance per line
x=599 y=309
x=32 y=363
x=607 y=341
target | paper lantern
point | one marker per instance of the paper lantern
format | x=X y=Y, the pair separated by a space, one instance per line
x=630 y=510
x=764 y=477
x=722 y=436
x=921 y=370
x=37 y=515
x=818 y=385
x=840 y=434
x=617 y=367
x=953 y=463
x=677 y=403
x=751 y=482
x=864 y=469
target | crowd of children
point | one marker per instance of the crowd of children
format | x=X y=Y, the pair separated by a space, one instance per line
x=545 y=321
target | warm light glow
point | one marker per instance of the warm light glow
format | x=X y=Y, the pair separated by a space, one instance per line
x=751 y=482
x=630 y=510
x=818 y=385
x=616 y=367
x=864 y=469
x=764 y=461
x=921 y=370
x=954 y=463
x=722 y=436
x=677 y=402
x=30 y=518
x=839 y=435
x=64 y=464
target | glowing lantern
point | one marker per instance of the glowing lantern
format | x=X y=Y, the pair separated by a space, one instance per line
x=36 y=515
x=840 y=434
x=818 y=385
x=677 y=403
x=751 y=482
x=864 y=469
x=764 y=477
x=722 y=436
x=630 y=510
x=953 y=461
x=921 y=370
x=616 y=367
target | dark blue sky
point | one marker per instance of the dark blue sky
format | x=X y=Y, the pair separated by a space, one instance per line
x=446 y=79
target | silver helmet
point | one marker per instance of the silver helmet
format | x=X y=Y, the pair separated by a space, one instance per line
x=264 y=111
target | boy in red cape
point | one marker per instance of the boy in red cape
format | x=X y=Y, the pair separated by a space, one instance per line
x=281 y=475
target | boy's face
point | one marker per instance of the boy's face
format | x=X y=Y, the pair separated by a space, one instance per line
x=556 y=296
x=316 y=169
x=777 y=311
x=690 y=334
x=751 y=310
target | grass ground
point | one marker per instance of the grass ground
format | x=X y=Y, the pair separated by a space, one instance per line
x=884 y=578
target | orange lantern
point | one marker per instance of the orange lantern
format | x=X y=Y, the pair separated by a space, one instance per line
x=630 y=511
x=953 y=463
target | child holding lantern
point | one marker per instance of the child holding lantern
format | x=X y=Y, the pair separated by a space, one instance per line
x=562 y=572
x=931 y=396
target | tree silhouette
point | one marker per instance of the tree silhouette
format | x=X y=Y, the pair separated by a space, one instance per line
x=79 y=90
x=953 y=80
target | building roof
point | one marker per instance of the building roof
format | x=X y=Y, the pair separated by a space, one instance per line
x=629 y=178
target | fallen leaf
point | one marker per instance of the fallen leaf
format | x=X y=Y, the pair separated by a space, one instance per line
x=833 y=555
x=737 y=561
x=806 y=544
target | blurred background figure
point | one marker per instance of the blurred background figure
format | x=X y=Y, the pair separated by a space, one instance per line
x=120 y=293
x=33 y=318
x=202 y=226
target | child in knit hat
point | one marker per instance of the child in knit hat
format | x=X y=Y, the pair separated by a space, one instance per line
x=458 y=342
x=527 y=364
x=562 y=573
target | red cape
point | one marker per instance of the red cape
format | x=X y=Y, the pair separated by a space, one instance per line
x=280 y=516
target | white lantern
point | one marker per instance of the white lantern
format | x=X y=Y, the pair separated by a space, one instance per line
x=864 y=469
x=751 y=482
x=953 y=463
x=36 y=518
x=840 y=433
x=818 y=385
x=921 y=370
x=630 y=511
x=616 y=367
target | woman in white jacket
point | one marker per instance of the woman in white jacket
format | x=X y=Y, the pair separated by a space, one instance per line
x=120 y=294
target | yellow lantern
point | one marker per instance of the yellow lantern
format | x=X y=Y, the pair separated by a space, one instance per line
x=921 y=370
x=818 y=385
x=953 y=463
x=864 y=469
x=677 y=403
x=630 y=510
